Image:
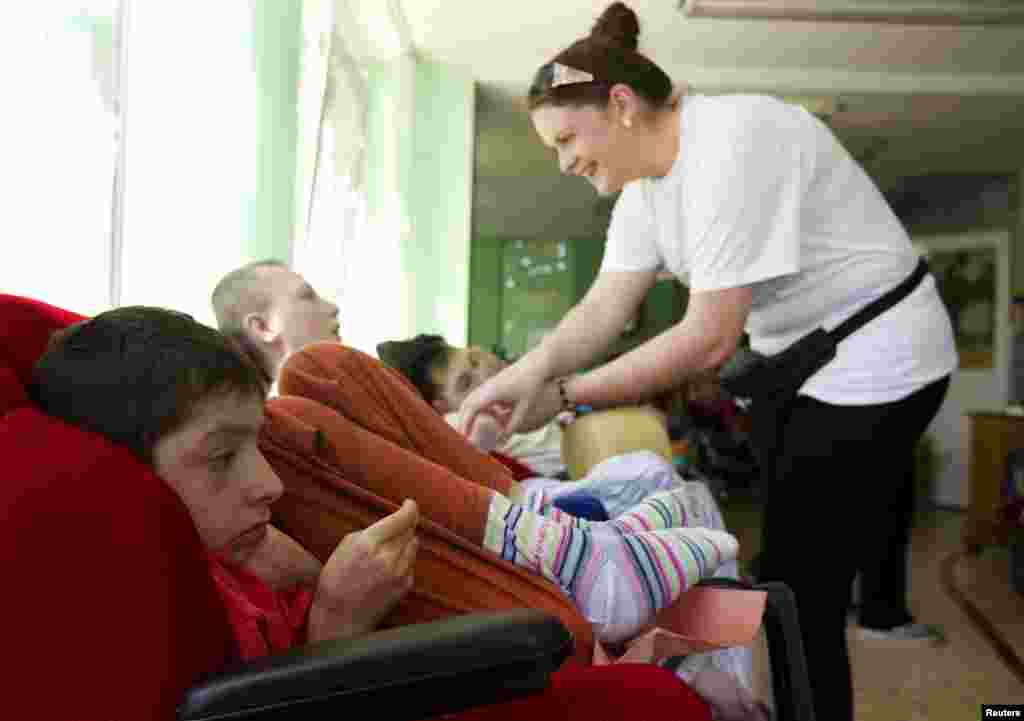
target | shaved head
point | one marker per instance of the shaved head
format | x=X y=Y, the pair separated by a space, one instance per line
x=271 y=311
x=240 y=292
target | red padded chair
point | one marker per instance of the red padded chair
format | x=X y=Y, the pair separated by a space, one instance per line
x=108 y=611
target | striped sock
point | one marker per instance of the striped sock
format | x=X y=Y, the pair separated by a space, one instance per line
x=678 y=507
x=619 y=578
x=689 y=504
x=540 y=493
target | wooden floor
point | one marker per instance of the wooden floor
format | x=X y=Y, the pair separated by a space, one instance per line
x=908 y=681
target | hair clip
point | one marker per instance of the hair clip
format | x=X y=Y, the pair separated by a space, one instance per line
x=564 y=75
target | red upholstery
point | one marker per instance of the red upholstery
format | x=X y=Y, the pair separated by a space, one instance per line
x=12 y=392
x=108 y=610
x=25 y=329
x=519 y=471
x=623 y=692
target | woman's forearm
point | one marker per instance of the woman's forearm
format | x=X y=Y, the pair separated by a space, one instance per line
x=577 y=341
x=703 y=340
x=591 y=327
x=660 y=364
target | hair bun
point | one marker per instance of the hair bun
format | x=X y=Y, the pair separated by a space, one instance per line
x=618 y=26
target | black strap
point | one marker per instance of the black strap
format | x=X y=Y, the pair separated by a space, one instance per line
x=879 y=306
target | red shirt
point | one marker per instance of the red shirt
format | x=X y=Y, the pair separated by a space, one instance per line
x=263 y=621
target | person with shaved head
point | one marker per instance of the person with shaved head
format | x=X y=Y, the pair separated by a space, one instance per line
x=271 y=311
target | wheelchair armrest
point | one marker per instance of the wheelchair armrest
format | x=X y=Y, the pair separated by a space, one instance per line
x=791 y=686
x=412 y=672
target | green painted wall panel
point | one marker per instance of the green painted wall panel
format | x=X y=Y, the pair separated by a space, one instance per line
x=440 y=198
x=277 y=38
x=485 y=292
x=502 y=322
x=419 y=189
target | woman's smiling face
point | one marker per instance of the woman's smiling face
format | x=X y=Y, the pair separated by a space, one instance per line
x=588 y=143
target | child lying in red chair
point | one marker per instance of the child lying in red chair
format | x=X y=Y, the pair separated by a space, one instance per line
x=387 y=439
x=619 y=573
x=179 y=396
x=375 y=431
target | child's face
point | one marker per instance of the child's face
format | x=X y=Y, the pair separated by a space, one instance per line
x=467 y=369
x=297 y=314
x=215 y=466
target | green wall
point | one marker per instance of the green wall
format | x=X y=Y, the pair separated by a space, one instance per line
x=663 y=307
x=441 y=197
x=277 y=31
x=389 y=154
x=419 y=190
x=419 y=172
x=485 y=292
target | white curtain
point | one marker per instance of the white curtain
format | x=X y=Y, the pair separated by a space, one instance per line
x=331 y=244
x=58 y=148
x=191 y=147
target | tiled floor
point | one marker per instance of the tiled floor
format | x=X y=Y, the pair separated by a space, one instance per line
x=911 y=681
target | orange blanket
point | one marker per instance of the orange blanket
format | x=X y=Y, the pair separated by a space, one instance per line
x=351 y=439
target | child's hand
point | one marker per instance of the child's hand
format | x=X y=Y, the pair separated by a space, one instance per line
x=368 y=573
x=486 y=432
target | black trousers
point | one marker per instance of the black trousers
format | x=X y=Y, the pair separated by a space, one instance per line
x=839 y=499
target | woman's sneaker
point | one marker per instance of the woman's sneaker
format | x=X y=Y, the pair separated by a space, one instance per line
x=922 y=632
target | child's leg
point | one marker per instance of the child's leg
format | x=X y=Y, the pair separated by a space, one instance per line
x=620 y=483
x=618 y=579
x=685 y=505
x=386 y=469
x=688 y=504
x=383 y=402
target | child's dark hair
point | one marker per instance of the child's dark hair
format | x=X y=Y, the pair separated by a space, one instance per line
x=135 y=374
x=416 y=358
x=610 y=55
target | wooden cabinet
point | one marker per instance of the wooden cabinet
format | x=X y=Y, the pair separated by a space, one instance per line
x=991 y=436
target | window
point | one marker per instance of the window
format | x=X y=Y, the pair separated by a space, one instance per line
x=192 y=150
x=146 y=148
x=58 y=143
x=331 y=248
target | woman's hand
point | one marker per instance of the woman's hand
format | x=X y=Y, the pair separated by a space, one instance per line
x=519 y=397
x=366 y=576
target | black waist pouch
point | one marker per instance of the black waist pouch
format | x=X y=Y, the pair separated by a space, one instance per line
x=772 y=382
x=749 y=374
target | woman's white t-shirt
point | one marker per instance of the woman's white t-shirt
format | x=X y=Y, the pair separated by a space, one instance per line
x=763 y=195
